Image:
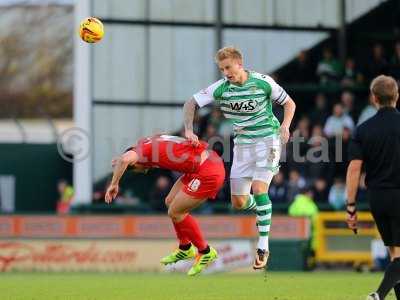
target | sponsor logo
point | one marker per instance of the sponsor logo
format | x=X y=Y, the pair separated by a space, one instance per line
x=194 y=185
x=248 y=105
x=31 y=255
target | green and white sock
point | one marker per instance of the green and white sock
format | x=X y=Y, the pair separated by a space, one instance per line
x=250 y=204
x=264 y=213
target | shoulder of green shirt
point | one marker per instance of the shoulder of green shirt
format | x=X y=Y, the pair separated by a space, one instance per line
x=221 y=88
x=261 y=80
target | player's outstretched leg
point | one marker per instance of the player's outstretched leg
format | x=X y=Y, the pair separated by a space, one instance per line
x=264 y=211
x=188 y=227
x=206 y=254
x=185 y=250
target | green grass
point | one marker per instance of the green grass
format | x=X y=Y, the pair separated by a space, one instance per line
x=115 y=286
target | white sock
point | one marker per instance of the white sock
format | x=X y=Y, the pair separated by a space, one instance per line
x=263 y=243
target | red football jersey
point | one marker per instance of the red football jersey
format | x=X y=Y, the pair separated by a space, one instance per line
x=170 y=152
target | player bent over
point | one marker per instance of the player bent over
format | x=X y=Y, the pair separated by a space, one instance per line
x=204 y=175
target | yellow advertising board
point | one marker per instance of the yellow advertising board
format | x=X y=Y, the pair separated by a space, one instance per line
x=337 y=243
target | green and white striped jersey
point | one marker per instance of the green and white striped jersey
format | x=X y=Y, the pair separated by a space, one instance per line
x=247 y=106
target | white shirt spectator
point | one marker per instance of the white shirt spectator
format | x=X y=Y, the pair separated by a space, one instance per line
x=337 y=121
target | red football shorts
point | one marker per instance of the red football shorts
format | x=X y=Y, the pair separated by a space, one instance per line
x=208 y=180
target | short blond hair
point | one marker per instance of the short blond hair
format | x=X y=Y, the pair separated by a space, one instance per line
x=385 y=89
x=228 y=52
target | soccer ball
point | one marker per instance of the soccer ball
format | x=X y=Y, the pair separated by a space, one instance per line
x=91 y=30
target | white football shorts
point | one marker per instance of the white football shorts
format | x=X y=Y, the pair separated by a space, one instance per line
x=258 y=161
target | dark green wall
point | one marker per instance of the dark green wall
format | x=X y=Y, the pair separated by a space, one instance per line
x=37 y=168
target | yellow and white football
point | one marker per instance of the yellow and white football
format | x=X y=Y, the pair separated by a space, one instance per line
x=91 y=30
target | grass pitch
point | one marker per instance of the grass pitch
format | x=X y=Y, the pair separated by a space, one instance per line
x=116 y=286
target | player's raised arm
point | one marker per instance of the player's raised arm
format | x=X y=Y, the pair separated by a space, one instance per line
x=120 y=164
x=189 y=109
x=279 y=96
x=288 y=112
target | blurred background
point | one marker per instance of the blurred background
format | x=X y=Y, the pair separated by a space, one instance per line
x=68 y=108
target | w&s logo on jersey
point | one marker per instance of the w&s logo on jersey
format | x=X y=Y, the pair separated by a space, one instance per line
x=249 y=105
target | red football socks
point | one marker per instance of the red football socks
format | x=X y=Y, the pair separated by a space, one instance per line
x=183 y=240
x=190 y=229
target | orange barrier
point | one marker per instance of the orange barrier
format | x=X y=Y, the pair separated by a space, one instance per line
x=283 y=227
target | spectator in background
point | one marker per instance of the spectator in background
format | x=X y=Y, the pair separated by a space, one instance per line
x=128 y=197
x=317 y=130
x=66 y=193
x=225 y=128
x=213 y=138
x=304 y=206
x=320 y=190
x=320 y=113
x=378 y=64
x=213 y=118
x=395 y=62
x=337 y=121
x=352 y=76
x=367 y=112
x=318 y=157
x=341 y=166
x=295 y=184
x=329 y=69
x=347 y=100
x=278 y=190
x=346 y=137
x=302 y=130
x=222 y=201
x=302 y=70
x=100 y=192
x=124 y=197
x=210 y=132
x=337 y=194
x=159 y=192
x=297 y=147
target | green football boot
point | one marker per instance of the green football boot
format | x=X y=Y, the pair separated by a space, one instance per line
x=178 y=255
x=202 y=261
